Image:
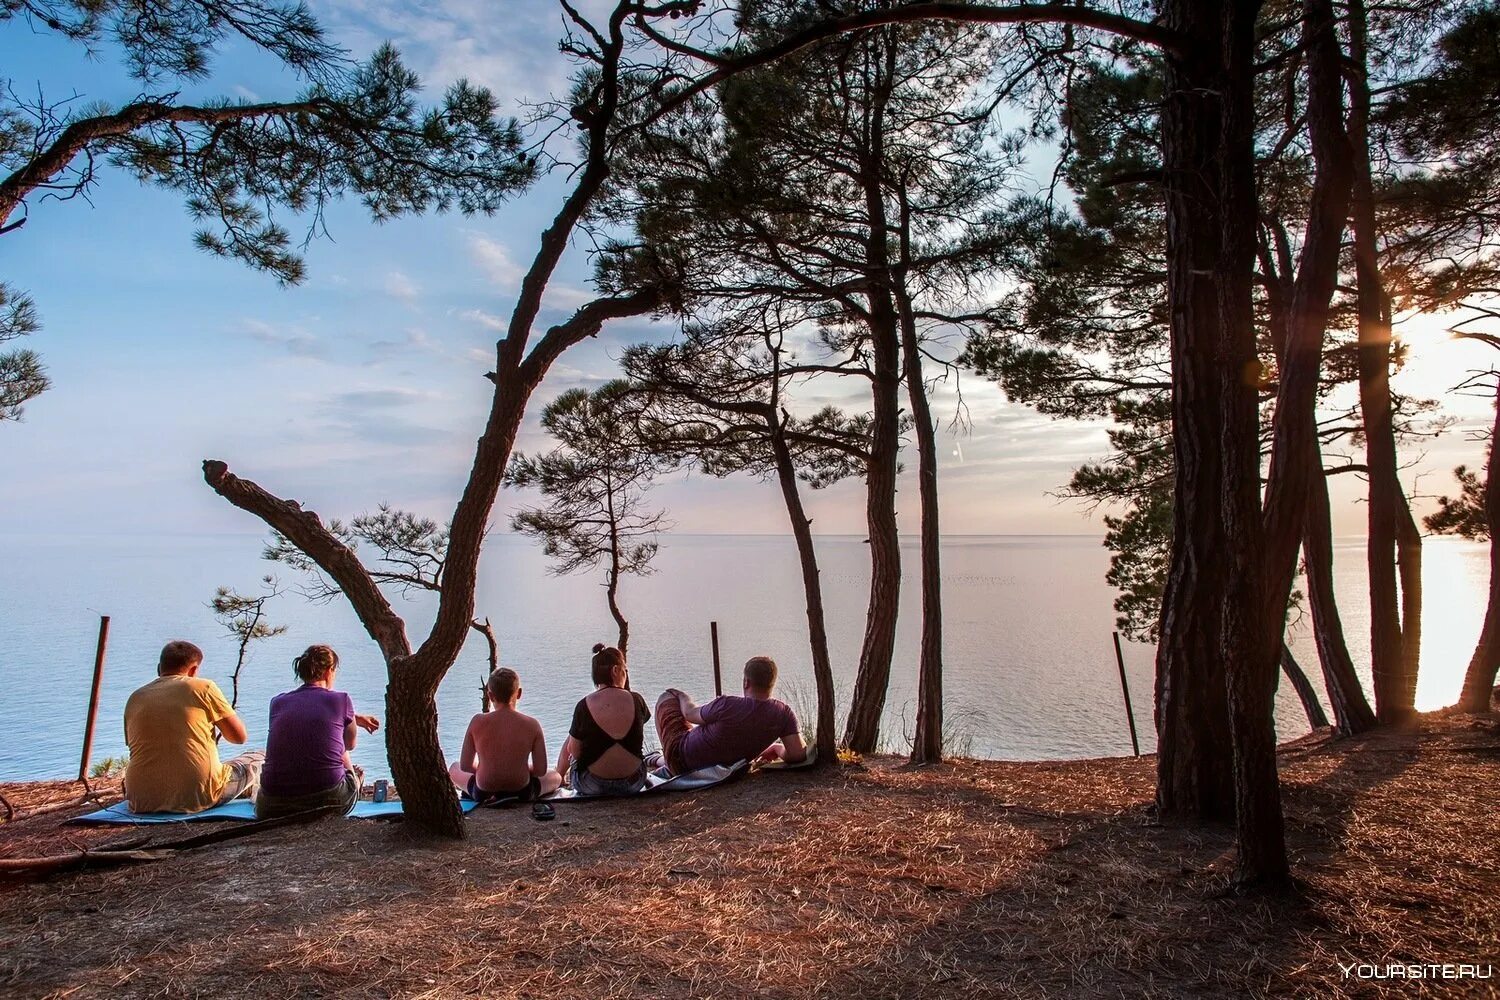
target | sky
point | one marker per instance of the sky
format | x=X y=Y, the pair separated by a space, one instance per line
x=365 y=383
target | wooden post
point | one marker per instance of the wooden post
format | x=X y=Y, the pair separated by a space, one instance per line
x=1135 y=742
x=88 y=731
x=713 y=632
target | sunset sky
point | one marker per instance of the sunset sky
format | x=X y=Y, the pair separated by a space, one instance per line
x=365 y=383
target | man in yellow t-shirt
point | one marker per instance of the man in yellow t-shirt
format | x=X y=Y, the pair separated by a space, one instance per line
x=169 y=727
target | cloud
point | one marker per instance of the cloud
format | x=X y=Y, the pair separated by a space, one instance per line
x=494 y=261
x=294 y=340
x=565 y=297
x=416 y=341
x=385 y=415
x=513 y=54
x=484 y=319
x=370 y=399
x=399 y=286
x=566 y=376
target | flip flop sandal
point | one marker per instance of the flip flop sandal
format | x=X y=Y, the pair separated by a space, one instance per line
x=542 y=811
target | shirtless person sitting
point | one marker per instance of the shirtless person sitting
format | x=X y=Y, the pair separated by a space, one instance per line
x=169 y=727
x=730 y=728
x=511 y=751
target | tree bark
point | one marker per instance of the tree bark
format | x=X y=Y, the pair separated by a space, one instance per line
x=1252 y=635
x=305 y=530
x=1391 y=665
x=622 y=626
x=927 y=743
x=867 y=705
x=812 y=587
x=1351 y=710
x=862 y=731
x=927 y=746
x=1306 y=693
x=1479 y=679
x=1194 y=777
x=416 y=756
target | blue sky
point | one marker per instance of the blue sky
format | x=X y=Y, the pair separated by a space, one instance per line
x=365 y=383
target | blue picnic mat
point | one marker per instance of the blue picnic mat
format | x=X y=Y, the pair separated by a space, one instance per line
x=244 y=810
x=239 y=809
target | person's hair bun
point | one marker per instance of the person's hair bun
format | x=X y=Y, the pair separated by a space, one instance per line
x=598 y=646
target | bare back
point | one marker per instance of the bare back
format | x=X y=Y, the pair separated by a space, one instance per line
x=509 y=748
x=614 y=711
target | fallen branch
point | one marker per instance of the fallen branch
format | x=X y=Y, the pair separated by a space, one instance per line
x=13 y=816
x=109 y=857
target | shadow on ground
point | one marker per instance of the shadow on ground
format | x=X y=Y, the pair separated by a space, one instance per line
x=970 y=880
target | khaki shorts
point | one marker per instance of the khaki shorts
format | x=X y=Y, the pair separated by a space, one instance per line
x=244 y=776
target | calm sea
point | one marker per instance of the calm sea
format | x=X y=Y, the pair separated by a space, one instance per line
x=1030 y=669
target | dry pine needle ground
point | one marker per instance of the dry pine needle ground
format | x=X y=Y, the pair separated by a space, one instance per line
x=973 y=879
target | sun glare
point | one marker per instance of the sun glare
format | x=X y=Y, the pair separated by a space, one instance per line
x=1436 y=362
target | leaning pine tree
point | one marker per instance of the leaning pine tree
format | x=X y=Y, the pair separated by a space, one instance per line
x=609 y=94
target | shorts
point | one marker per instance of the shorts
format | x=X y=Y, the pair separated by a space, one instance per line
x=244 y=776
x=530 y=792
x=584 y=782
x=345 y=794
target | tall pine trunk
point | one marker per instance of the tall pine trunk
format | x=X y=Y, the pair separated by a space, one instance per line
x=862 y=731
x=867 y=704
x=1252 y=634
x=812 y=587
x=1393 y=665
x=927 y=744
x=1479 y=679
x=1351 y=710
x=1194 y=758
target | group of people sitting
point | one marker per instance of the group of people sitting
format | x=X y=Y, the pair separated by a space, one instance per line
x=173 y=724
x=505 y=752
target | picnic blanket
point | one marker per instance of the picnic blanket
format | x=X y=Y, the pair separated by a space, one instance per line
x=243 y=810
x=240 y=809
x=781 y=765
x=693 y=781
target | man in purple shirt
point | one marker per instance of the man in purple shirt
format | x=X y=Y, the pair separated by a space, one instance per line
x=730 y=728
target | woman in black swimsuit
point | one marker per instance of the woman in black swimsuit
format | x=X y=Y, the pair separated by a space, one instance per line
x=603 y=753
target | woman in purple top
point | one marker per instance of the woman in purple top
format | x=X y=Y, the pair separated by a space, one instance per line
x=312 y=730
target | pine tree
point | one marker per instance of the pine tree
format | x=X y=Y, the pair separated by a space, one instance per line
x=595 y=482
